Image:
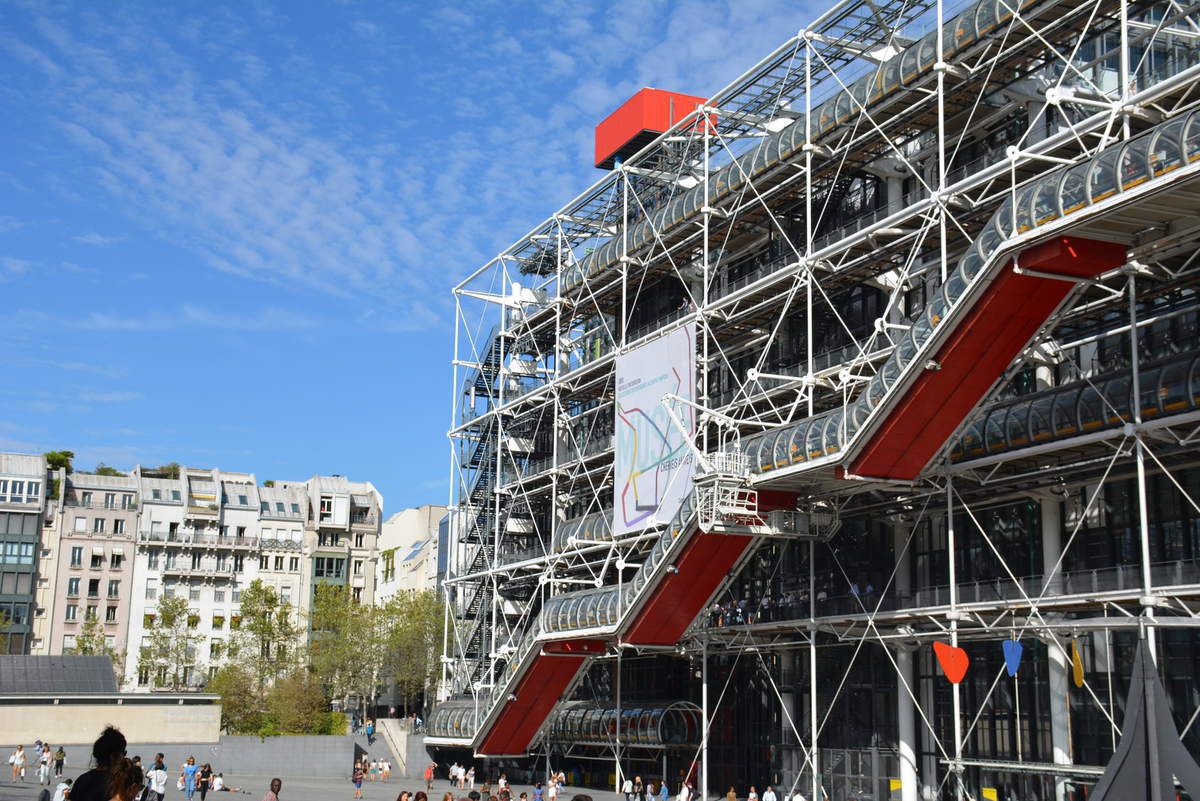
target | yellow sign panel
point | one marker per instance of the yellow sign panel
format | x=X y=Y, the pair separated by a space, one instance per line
x=990 y=794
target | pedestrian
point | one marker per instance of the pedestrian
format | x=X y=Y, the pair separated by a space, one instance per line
x=61 y=791
x=137 y=763
x=471 y=777
x=731 y=794
x=204 y=781
x=664 y=793
x=385 y=768
x=769 y=795
x=639 y=789
x=404 y=796
x=447 y=796
x=17 y=760
x=429 y=778
x=95 y=784
x=219 y=785
x=627 y=789
x=273 y=793
x=538 y=792
x=685 y=792
x=60 y=757
x=156 y=780
x=357 y=778
x=125 y=781
x=370 y=731
x=187 y=775
x=43 y=766
x=552 y=788
x=753 y=794
x=502 y=782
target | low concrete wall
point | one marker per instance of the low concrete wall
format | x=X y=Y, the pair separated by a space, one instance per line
x=299 y=757
x=145 y=719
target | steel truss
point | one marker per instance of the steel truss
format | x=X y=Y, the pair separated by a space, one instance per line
x=800 y=220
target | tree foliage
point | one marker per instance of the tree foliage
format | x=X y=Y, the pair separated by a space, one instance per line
x=242 y=709
x=91 y=641
x=60 y=460
x=265 y=642
x=169 y=653
x=168 y=470
x=412 y=627
x=103 y=469
x=345 y=652
x=297 y=705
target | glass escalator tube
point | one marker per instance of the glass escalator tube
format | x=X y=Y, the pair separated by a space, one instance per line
x=797 y=450
x=1166 y=148
x=1191 y=137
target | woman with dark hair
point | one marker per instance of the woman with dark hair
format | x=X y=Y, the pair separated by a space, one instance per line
x=107 y=752
x=204 y=780
x=125 y=781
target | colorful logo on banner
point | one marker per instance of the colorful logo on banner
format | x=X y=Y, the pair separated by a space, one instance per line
x=954 y=661
x=1012 y=656
x=653 y=462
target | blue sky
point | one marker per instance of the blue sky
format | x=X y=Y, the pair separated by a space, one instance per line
x=228 y=231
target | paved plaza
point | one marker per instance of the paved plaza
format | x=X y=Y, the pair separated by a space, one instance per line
x=301 y=789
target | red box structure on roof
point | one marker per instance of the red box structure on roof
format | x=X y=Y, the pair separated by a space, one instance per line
x=638 y=121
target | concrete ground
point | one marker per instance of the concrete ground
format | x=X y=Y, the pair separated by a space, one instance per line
x=300 y=789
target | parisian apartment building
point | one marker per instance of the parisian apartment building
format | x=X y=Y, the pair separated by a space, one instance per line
x=83 y=546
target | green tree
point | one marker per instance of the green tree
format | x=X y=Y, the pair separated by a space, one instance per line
x=106 y=470
x=297 y=705
x=91 y=641
x=412 y=628
x=265 y=642
x=269 y=483
x=168 y=655
x=60 y=460
x=168 y=470
x=242 y=709
x=346 y=647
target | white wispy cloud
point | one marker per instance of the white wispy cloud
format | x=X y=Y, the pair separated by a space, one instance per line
x=290 y=188
x=109 y=397
x=11 y=267
x=98 y=240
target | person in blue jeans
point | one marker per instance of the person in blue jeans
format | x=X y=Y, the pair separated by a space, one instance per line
x=188 y=774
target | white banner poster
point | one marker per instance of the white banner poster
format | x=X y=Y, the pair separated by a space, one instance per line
x=653 y=463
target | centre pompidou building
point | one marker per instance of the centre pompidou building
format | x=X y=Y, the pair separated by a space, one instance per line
x=843 y=435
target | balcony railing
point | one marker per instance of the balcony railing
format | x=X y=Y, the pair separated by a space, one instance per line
x=196 y=539
x=211 y=571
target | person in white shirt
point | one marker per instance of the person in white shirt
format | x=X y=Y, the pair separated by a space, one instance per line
x=753 y=794
x=60 y=792
x=156 y=781
x=627 y=789
x=769 y=795
x=684 y=792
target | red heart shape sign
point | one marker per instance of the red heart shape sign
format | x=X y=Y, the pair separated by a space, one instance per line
x=954 y=661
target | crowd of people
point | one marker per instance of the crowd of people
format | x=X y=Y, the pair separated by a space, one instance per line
x=43 y=761
x=119 y=777
x=372 y=769
x=791 y=604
